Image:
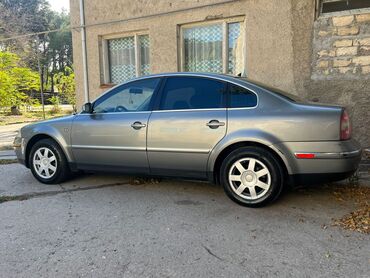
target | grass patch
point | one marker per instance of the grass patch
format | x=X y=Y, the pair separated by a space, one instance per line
x=11 y=198
x=6 y=148
x=31 y=116
x=8 y=161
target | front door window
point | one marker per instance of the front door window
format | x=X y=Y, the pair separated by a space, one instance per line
x=131 y=97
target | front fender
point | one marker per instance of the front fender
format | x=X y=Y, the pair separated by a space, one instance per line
x=61 y=134
x=246 y=136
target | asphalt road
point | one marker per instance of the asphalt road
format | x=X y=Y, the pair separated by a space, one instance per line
x=103 y=226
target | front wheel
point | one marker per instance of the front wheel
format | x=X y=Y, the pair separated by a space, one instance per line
x=252 y=176
x=48 y=163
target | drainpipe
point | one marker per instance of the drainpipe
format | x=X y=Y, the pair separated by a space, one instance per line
x=84 y=51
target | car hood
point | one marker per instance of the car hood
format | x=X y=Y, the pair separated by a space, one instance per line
x=64 y=119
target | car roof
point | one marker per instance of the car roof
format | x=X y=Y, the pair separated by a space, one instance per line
x=216 y=76
x=194 y=74
x=241 y=81
x=223 y=77
x=238 y=80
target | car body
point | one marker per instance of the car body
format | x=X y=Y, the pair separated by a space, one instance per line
x=188 y=124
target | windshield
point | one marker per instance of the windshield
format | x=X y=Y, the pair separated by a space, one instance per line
x=276 y=91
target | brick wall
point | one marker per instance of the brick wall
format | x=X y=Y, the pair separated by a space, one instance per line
x=342 y=47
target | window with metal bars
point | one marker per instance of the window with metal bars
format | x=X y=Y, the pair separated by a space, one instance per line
x=214 y=47
x=125 y=58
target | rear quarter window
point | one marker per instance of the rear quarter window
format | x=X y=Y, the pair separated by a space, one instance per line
x=240 y=97
x=276 y=91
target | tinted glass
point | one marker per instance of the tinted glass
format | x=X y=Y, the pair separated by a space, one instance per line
x=241 y=97
x=276 y=91
x=134 y=96
x=192 y=93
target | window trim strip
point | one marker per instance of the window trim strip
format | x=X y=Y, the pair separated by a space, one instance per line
x=158 y=94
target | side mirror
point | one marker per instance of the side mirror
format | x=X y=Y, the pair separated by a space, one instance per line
x=87 y=108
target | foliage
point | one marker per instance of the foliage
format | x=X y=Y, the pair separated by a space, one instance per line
x=30 y=16
x=22 y=17
x=15 y=80
x=30 y=116
x=55 y=101
x=65 y=83
x=59 y=48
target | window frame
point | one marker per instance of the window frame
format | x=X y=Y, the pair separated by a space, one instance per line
x=319 y=14
x=105 y=73
x=159 y=96
x=113 y=90
x=225 y=42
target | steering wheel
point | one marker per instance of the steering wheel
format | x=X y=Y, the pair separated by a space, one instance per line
x=120 y=108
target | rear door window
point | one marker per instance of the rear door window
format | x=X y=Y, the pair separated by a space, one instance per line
x=192 y=93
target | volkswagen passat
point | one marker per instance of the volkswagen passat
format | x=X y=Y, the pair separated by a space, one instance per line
x=250 y=138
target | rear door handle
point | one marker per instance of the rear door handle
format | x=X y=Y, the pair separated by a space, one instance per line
x=138 y=125
x=215 y=124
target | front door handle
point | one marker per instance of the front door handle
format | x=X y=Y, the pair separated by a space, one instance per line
x=215 y=124
x=138 y=125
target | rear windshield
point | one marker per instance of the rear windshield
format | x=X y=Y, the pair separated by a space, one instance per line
x=276 y=91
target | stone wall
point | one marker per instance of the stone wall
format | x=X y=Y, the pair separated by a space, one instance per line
x=342 y=47
x=341 y=68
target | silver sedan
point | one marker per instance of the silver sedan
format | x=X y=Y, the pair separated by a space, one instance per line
x=250 y=138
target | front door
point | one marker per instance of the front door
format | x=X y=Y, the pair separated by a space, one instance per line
x=113 y=137
x=189 y=120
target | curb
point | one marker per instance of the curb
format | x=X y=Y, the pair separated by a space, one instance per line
x=7 y=155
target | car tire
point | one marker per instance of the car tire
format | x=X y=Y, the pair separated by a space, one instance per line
x=252 y=176
x=48 y=163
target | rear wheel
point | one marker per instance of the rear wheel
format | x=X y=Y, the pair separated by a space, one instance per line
x=252 y=176
x=48 y=163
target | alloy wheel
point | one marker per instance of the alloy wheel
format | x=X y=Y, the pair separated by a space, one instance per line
x=249 y=178
x=45 y=163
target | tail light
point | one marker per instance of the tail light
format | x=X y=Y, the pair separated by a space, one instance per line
x=345 y=126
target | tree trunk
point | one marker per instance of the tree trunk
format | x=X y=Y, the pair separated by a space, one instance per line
x=15 y=111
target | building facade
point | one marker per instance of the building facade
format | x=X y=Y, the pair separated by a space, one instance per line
x=318 y=49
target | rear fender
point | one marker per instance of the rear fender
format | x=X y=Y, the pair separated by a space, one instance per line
x=247 y=136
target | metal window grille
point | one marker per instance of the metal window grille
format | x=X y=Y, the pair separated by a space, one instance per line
x=144 y=54
x=203 y=48
x=128 y=58
x=218 y=48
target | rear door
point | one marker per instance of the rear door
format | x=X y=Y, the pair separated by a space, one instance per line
x=189 y=120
